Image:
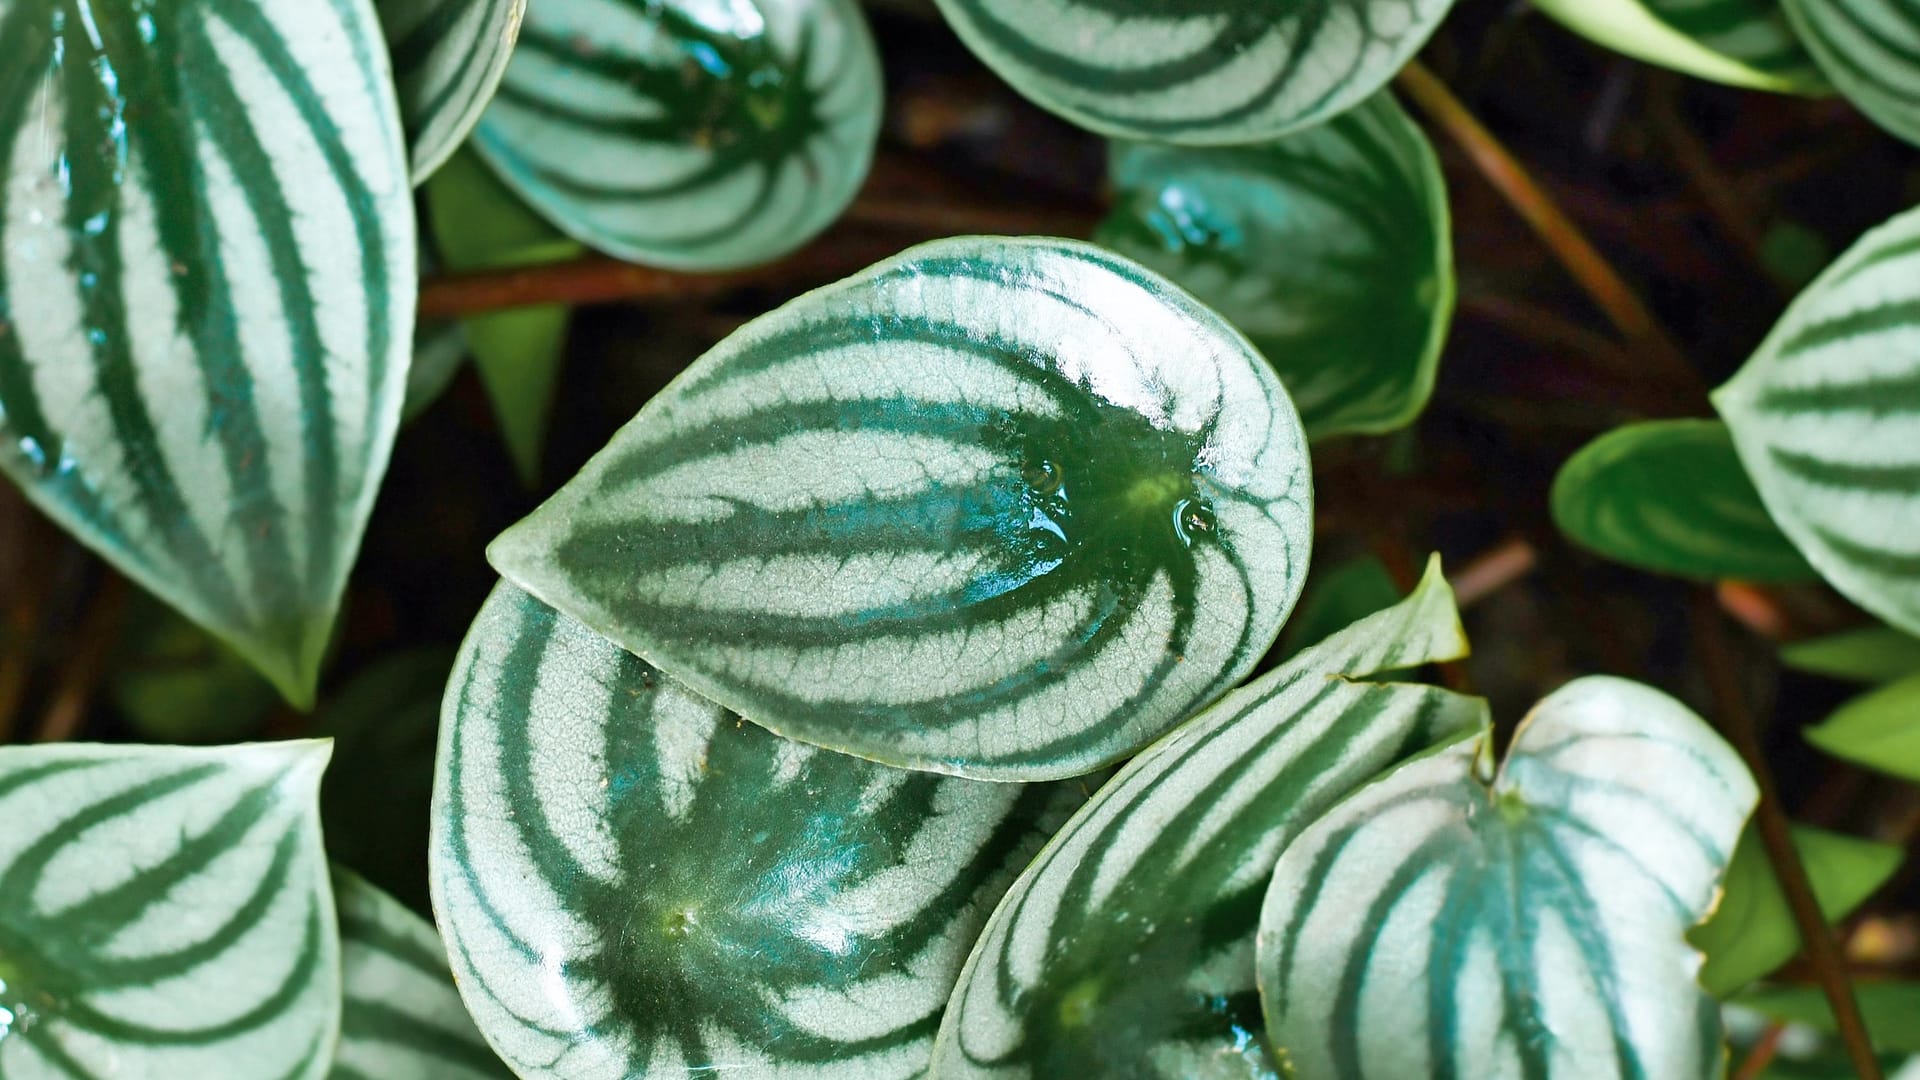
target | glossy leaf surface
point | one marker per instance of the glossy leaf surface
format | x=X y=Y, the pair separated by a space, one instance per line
x=1331 y=249
x=1671 y=496
x=1871 y=51
x=1126 y=949
x=1741 y=42
x=1449 y=921
x=206 y=298
x=1209 y=72
x=448 y=58
x=693 y=134
x=401 y=1018
x=1001 y=508
x=636 y=883
x=1880 y=730
x=1874 y=654
x=1826 y=416
x=165 y=912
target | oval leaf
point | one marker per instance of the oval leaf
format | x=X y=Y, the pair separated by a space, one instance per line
x=1871 y=51
x=1880 y=730
x=448 y=58
x=636 y=883
x=1000 y=508
x=165 y=912
x=698 y=136
x=206 y=299
x=1126 y=949
x=1201 y=72
x=1671 y=496
x=1740 y=42
x=1331 y=250
x=1826 y=417
x=1450 y=922
x=402 y=1018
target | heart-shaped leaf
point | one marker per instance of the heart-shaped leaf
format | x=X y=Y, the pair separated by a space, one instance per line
x=1880 y=730
x=1126 y=949
x=401 y=1019
x=448 y=57
x=1873 y=654
x=1201 y=72
x=1671 y=496
x=636 y=883
x=1871 y=51
x=1001 y=508
x=206 y=298
x=699 y=136
x=1331 y=250
x=1449 y=921
x=1826 y=416
x=165 y=912
x=1740 y=42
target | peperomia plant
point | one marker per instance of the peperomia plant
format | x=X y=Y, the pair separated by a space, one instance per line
x=907 y=681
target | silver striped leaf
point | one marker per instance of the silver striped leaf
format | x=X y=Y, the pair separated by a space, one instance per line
x=1746 y=43
x=206 y=298
x=1126 y=949
x=635 y=883
x=1871 y=51
x=165 y=912
x=1001 y=508
x=448 y=59
x=1198 y=72
x=691 y=134
x=1826 y=416
x=401 y=1018
x=1449 y=921
x=1331 y=249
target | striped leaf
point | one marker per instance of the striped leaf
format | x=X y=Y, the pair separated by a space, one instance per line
x=1200 y=72
x=165 y=912
x=448 y=58
x=1002 y=508
x=1671 y=496
x=1871 y=51
x=1826 y=417
x=688 y=134
x=636 y=883
x=206 y=298
x=1332 y=250
x=401 y=1018
x=1740 y=42
x=1126 y=949
x=1451 y=921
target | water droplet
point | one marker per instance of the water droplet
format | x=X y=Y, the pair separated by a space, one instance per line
x=1042 y=475
x=1194 y=518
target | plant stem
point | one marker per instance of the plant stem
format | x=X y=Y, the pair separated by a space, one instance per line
x=1621 y=304
x=1495 y=569
x=1763 y=1052
x=80 y=675
x=1821 y=948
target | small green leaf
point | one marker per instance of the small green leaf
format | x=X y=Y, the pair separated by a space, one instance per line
x=636 y=884
x=206 y=298
x=1330 y=249
x=1337 y=597
x=690 y=135
x=1199 y=72
x=401 y=1018
x=448 y=57
x=1126 y=949
x=1739 y=42
x=1671 y=496
x=175 y=683
x=1007 y=509
x=1449 y=920
x=1871 y=51
x=1826 y=417
x=1880 y=730
x=1874 y=654
x=1889 y=1008
x=165 y=912
x=1753 y=931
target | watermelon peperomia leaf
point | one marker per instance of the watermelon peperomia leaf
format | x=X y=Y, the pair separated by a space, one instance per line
x=165 y=912
x=206 y=298
x=448 y=57
x=1871 y=51
x=1007 y=509
x=1451 y=920
x=1739 y=42
x=635 y=883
